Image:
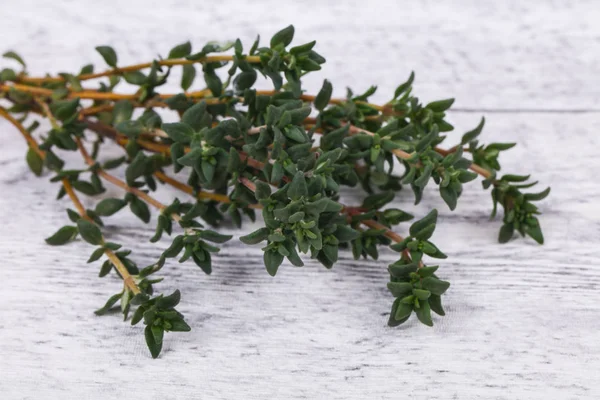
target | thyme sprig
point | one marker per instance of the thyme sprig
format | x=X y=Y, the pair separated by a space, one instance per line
x=234 y=151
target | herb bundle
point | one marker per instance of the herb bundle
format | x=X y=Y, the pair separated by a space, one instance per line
x=235 y=151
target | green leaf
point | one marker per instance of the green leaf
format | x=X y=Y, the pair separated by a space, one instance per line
x=170 y=301
x=191 y=158
x=130 y=128
x=449 y=196
x=140 y=209
x=471 y=135
x=423 y=179
x=179 y=132
x=466 y=176
x=122 y=111
x=324 y=205
x=500 y=146
x=425 y=272
x=244 y=80
x=324 y=95
x=515 y=178
x=421 y=224
x=136 y=78
x=432 y=251
x=151 y=342
x=402 y=271
x=345 y=233
x=435 y=285
x=35 y=162
x=214 y=236
x=405 y=86
x=208 y=170
x=96 y=255
x=179 y=326
x=425 y=233
x=213 y=82
x=175 y=247
x=506 y=233
x=535 y=232
x=421 y=294
x=136 y=168
x=537 y=196
x=284 y=36
x=298 y=188
x=193 y=117
x=378 y=200
x=90 y=232
x=8 y=74
x=14 y=56
x=303 y=48
x=263 y=190
x=108 y=207
x=435 y=303
x=273 y=260
x=109 y=304
x=440 y=105
x=424 y=313
x=63 y=235
x=255 y=237
x=294 y=133
x=403 y=311
x=109 y=55
x=392 y=320
x=53 y=162
x=86 y=69
x=64 y=110
x=188 y=76
x=181 y=50
x=400 y=289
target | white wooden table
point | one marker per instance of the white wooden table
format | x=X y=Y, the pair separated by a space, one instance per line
x=522 y=320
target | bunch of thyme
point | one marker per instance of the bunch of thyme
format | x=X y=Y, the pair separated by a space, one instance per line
x=235 y=150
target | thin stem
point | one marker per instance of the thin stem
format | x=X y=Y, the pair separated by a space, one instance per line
x=119 y=266
x=48 y=113
x=137 y=67
x=248 y=183
x=202 y=195
x=388 y=232
x=76 y=202
x=30 y=140
x=116 y=181
x=95 y=95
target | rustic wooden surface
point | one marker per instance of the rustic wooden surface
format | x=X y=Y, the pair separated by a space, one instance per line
x=522 y=320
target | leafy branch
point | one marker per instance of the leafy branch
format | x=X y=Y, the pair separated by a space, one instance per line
x=239 y=153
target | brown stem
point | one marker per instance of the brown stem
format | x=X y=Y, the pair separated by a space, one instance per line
x=95 y=95
x=388 y=232
x=119 y=266
x=116 y=181
x=137 y=67
x=221 y=198
x=30 y=140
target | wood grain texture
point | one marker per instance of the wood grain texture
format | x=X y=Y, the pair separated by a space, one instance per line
x=522 y=320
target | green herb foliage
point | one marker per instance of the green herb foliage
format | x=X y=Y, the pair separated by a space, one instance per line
x=240 y=151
